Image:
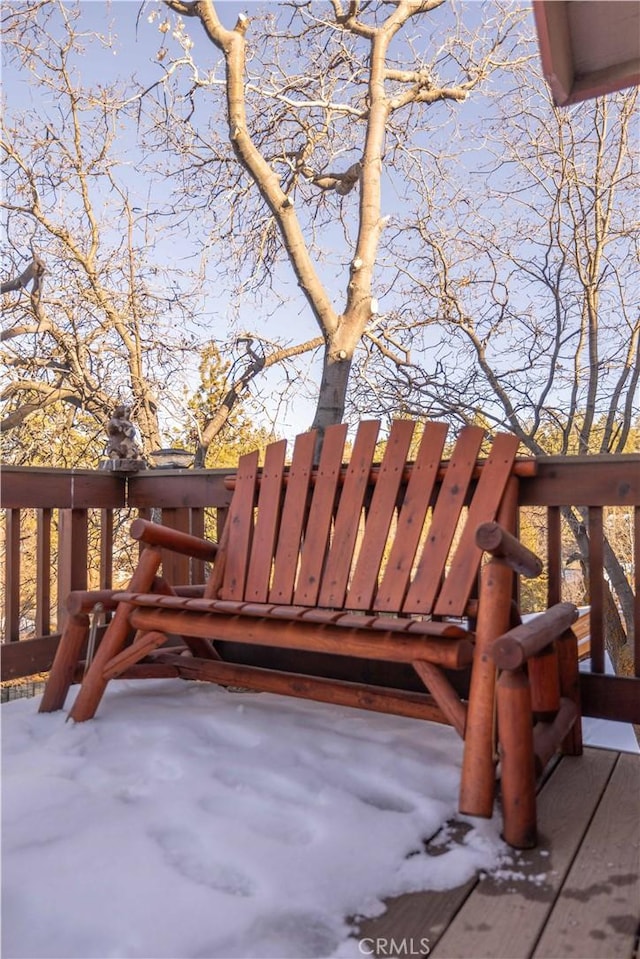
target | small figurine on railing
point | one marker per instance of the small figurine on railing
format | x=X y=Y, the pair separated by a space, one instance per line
x=122 y=448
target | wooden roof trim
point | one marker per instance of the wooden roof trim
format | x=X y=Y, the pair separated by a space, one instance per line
x=556 y=39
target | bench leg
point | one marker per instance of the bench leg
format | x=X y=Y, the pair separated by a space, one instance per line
x=66 y=659
x=477 y=784
x=94 y=683
x=517 y=760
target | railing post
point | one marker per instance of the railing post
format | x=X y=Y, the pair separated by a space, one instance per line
x=596 y=588
x=636 y=605
x=554 y=556
x=43 y=573
x=175 y=567
x=73 y=556
x=106 y=549
x=12 y=574
x=198 y=573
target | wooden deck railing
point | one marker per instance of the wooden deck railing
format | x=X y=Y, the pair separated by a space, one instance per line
x=594 y=484
x=47 y=540
x=66 y=530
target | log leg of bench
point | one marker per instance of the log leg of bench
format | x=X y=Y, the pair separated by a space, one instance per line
x=94 y=683
x=517 y=758
x=477 y=784
x=75 y=632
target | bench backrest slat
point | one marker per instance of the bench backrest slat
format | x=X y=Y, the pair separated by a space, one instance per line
x=294 y=511
x=240 y=526
x=422 y=481
x=446 y=513
x=381 y=510
x=483 y=509
x=267 y=524
x=314 y=547
x=348 y=515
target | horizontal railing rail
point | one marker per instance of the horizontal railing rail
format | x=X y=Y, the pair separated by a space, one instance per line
x=67 y=529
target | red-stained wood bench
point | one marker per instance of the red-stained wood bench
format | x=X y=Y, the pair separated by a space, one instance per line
x=362 y=584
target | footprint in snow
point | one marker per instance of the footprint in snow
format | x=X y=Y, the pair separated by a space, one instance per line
x=262 y=817
x=384 y=801
x=184 y=853
x=266 y=783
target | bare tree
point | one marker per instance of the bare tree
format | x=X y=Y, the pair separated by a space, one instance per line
x=318 y=100
x=104 y=322
x=522 y=287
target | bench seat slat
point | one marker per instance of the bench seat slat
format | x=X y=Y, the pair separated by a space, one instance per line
x=202 y=605
x=170 y=601
x=356 y=621
x=322 y=616
x=233 y=607
x=257 y=609
x=140 y=599
x=287 y=612
x=306 y=614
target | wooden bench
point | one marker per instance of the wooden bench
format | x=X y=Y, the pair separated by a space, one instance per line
x=363 y=585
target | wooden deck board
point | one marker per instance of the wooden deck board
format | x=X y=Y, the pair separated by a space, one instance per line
x=576 y=895
x=598 y=910
x=504 y=918
x=415 y=917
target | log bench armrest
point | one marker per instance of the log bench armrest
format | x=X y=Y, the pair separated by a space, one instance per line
x=153 y=534
x=494 y=539
x=81 y=601
x=514 y=648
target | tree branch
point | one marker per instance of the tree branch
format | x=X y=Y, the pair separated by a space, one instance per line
x=240 y=384
x=32 y=274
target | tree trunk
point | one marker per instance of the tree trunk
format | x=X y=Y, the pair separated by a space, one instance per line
x=333 y=390
x=619 y=644
x=622 y=589
x=146 y=419
x=616 y=641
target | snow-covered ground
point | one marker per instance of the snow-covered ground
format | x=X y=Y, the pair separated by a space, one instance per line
x=188 y=821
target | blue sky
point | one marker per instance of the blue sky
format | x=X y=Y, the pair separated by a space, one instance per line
x=134 y=50
x=135 y=46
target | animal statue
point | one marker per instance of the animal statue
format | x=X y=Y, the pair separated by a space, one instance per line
x=122 y=443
